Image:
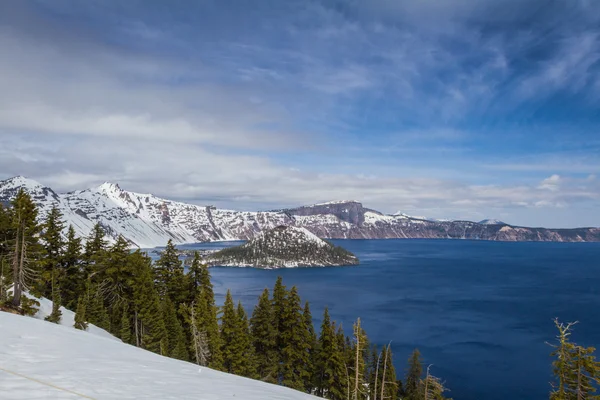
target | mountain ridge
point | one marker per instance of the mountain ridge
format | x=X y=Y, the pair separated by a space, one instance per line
x=146 y=220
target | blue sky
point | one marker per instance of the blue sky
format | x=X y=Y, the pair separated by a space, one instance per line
x=448 y=109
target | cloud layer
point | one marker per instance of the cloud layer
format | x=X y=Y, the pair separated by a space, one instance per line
x=457 y=109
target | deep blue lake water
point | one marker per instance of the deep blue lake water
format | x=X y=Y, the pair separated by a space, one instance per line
x=480 y=312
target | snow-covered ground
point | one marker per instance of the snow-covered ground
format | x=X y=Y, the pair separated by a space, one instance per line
x=41 y=360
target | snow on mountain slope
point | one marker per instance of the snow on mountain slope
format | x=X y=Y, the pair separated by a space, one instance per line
x=149 y=221
x=41 y=360
x=491 y=222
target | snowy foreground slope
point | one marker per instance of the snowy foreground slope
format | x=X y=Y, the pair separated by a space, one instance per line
x=41 y=360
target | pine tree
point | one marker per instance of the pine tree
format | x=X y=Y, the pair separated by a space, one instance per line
x=248 y=361
x=311 y=339
x=359 y=352
x=232 y=346
x=53 y=244
x=149 y=324
x=125 y=333
x=56 y=314
x=295 y=352
x=80 y=317
x=207 y=322
x=177 y=346
x=576 y=370
x=433 y=388
x=73 y=277
x=383 y=382
x=264 y=339
x=95 y=247
x=330 y=366
x=170 y=276
x=5 y=268
x=280 y=298
x=116 y=275
x=412 y=385
x=25 y=247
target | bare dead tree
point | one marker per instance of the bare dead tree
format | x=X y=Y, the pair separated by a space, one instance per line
x=376 y=377
x=384 y=371
x=200 y=339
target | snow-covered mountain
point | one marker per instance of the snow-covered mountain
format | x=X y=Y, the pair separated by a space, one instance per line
x=148 y=221
x=283 y=247
x=492 y=222
x=42 y=360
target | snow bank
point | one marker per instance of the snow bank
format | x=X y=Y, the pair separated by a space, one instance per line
x=41 y=360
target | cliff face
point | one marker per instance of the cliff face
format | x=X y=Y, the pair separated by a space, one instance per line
x=148 y=221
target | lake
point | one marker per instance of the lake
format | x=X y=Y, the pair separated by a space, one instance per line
x=480 y=312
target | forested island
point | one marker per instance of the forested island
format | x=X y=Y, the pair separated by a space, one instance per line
x=281 y=247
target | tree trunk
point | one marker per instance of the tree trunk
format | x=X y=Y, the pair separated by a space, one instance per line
x=383 y=376
x=16 y=301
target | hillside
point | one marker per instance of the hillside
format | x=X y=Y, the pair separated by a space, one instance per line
x=283 y=247
x=41 y=360
x=146 y=220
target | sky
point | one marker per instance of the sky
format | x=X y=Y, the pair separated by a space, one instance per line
x=444 y=109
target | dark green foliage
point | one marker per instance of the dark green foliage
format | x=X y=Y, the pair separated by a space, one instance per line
x=575 y=369
x=176 y=339
x=170 y=276
x=360 y=353
x=125 y=333
x=383 y=382
x=330 y=368
x=73 y=275
x=25 y=250
x=264 y=338
x=95 y=251
x=80 y=314
x=53 y=244
x=295 y=351
x=205 y=315
x=56 y=314
x=412 y=385
x=281 y=245
x=152 y=334
x=248 y=361
x=232 y=345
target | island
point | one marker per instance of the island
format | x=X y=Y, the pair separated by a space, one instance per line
x=283 y=247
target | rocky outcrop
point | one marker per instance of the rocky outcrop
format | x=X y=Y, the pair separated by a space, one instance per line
x=283 y=247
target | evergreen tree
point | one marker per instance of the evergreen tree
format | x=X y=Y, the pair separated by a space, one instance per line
x=125 y=333
x=94 y=253
x=311 y=339
x=412 y=381
x=170 y=275
x=295 y=352
x=116 y=274
x=207 y=323
x=148 y=319
x=383 y=382
x=56 y=314
x=5 y=237
x=576 y=371
x=177 y=346
x=80 y=317
x=248 y=361
x=359 y=353
x=232 y=345
x=433 y=388
x=25 y=247
x=330 y=368
x=72 y=284
x=264 y=339
x=53 y=244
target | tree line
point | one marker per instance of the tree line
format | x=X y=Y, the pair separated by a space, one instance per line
x=161 y=307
